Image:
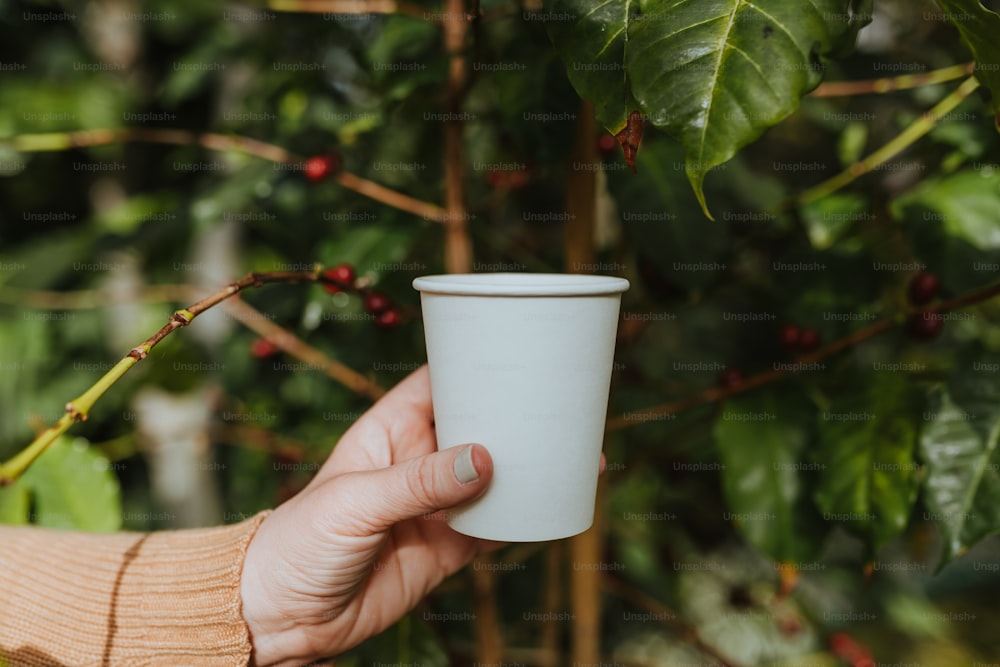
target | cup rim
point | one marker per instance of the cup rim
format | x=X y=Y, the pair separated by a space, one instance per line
x=520 y=284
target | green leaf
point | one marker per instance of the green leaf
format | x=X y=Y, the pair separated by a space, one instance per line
x=979 y=28
x=715 y=75
x=867 y=443
x=762 y=439
x=136 y=211
x=14 y=505
x=851 y=145
x=828 y=219
x=72 y=486
x=962 y=490
x=192 y=72
x=400 y=39
x=45 y=260
x=964 y=204
x=592 y=39
x=959 y=446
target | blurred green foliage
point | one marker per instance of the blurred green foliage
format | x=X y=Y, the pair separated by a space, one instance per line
x=867 y=459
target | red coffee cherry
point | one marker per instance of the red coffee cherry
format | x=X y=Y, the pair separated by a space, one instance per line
x=789 y=337
x=607 y=145
x=376 y=303
x=262 y=348
x=923 y=288
x=319 y=167
x=809 y=340
x=924 y=326
x=342 y=274
x=388 y=319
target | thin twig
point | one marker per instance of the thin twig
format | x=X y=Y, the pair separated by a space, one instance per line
x=893 y=83
x=390 y=197
x=552 y=599
x=60 y=141
x=94 y=298
x=260 y=439
x=904 y=140
x=489 y=638
x=356 y=7
x=298 y=348
x=79 y=408
x=715 y=394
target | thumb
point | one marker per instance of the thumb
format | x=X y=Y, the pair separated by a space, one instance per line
x=420 y=486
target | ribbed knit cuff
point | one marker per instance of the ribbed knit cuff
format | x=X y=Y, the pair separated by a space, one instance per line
x=166 y=598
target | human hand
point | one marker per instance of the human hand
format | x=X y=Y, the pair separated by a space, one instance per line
x=364 y=542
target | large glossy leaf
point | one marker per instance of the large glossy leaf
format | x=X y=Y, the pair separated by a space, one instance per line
x=762 y=441
x=962 y=489
x=868 y=439
x=959 y=445
x=716 y=74
x=72 y=486
x=980 y=28
x=713 y=74
x=592 y=39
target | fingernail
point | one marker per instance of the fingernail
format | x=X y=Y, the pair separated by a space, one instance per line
x=465 y=471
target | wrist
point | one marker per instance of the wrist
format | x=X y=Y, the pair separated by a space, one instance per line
x=276 y=640
x=274 y=643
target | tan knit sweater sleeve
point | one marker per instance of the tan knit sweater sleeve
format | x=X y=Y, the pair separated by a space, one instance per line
x=79 y=599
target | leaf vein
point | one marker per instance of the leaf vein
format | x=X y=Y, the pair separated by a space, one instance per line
x=777 y=22
x=689 y=27
x=713 y=87
x=610 y=41
x=756 y=67
x=596 y=7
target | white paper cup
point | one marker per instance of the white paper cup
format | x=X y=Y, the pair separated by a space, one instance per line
x=521 y=363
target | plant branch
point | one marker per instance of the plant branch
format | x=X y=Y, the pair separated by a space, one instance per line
x=352 y=7
x=893 y=83
x=458 y=244
x=79 y=408
x=261 y=439
x=487 y=628
x=907 y=137
x=93 y=298
x=60 y=141
x=716 y=394
x=579 y=251
x=390 y=197
x=298 y=348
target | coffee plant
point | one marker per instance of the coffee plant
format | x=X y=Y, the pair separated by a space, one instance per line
x=802 y=441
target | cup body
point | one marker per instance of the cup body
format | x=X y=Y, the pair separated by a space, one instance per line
x=521 y=363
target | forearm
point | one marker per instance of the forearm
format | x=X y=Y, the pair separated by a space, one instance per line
x=155 y=598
